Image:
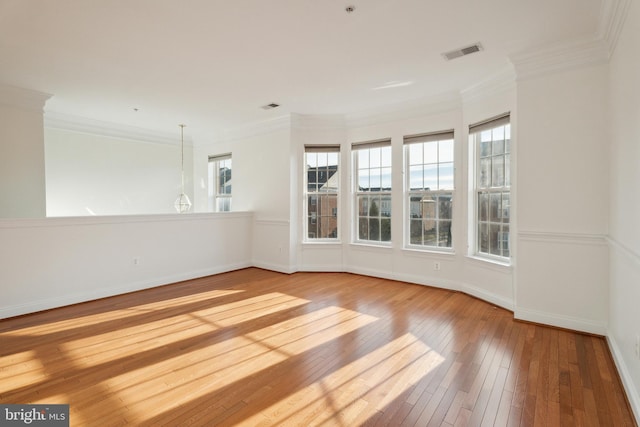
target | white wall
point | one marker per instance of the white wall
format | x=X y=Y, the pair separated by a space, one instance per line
x=624 y=200
x=90 y=174
x=261 y=180
x=562 y=267
x=53 y=262
x=22 y=178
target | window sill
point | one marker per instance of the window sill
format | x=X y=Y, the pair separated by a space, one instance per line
x=311 y=243
x=363 y=245
x=494 y=264
x=429 y=251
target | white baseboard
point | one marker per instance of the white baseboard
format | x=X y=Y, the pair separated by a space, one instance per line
x=323 y=268
x=560 y=321
x=279 y=268
x=79 y=297
x=436 y=282
x=627 y=382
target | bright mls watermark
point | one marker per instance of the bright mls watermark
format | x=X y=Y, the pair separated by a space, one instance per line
x=34 y=415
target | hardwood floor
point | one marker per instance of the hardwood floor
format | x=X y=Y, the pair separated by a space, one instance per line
x=254 y=347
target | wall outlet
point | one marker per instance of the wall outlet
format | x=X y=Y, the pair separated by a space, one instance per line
x=136 y=261
x=638 y=347
x=436 y=265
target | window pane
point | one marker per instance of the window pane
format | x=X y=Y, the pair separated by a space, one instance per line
x=430 y=152
x=385 y=206
x=485 y=148
x=312 y=159
x=415 y=177
x=498 y=147
x=374 y=157
x=446 y=176
x=483 y=177
x=415 y=154
x=495 y=207
x=483 y=238
x=375 y=180
x=507 y=170
x=504 y=241
x=498 y=135
x=497 y=179
x=506 y=207
x=430 y=230
x=446 y=151
x=428 y=207
x=415 y=232
x=431 y=177
x=386 y=156
x=494 y=249
x=385 y=229
x=386 y=179
x=444 y=234
x=363 y=159
x=415 y=207
x=483 y=206
x=312 y=203
x=374 y=228
x=444 y=206
x=363 y=206
x=363 y=229
x=363 y=180
x=374 y=207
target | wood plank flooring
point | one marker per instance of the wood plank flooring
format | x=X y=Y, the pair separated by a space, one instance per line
x=258 y=348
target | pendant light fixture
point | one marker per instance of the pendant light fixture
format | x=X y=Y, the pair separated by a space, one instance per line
x=182 y=204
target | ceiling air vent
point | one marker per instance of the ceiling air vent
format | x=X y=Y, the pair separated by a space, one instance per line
x=270 y=106
x=462 y=52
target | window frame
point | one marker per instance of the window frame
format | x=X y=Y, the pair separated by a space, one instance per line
x=475 y=137
x=429 y=138
x=215 y=195
x=384 y=196
x=306 y=197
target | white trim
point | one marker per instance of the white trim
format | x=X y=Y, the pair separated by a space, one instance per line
x=117 y=219
x=560 y=321
x=490 y=264
x=560 y=57
x=502 y=81
x=64 y=300
x=322 y=268
x=630 y=253
x=612 y=17
x=78 y=124
x=318 y=122
x=625 y=376
x=25 y=99
x=563 y=238
x=279 y=268
x=255 y=129
x=438 y=103
x=275 y=222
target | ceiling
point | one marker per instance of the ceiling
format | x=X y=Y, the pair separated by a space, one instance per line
x=212 y=64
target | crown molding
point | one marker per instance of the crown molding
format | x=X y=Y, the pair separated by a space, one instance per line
x=25 y=99
x=560 y=57
x=435 y=104
x=318 y=121
x=592 y=50
x=254 y=129
x=72 y=123
x=502 y=81
x=612 y=17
